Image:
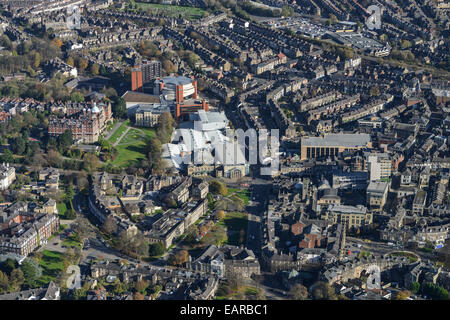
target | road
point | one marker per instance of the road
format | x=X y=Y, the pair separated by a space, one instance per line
x=381 y=248
x=255 y=209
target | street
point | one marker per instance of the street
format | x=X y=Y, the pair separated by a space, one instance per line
x=255 y=209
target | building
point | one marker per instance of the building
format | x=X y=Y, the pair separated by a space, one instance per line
x=30 y=233
x=52 y=292
x=350 y=180
x=419 y=202
x=7 y=176
x=333 y=144
x=134 y=99
x=178 y=93
x=226 y=261
x=86 y=122
x=379 y=166
x=145 y=74
x=353 y=217
x=173 y=223
x=148 y=115
x=182 y=91
x=376 y=194
x=200 y=191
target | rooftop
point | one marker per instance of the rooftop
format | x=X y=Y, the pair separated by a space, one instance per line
x=132 y=96
x=350 y=140
x=377 y=186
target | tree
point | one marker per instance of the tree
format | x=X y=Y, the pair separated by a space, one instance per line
x=141 y=286
x=170 y=202
x=287 y=11
x=65 y=140
x=323 y=291
x=110 y=225
x=82 y=180
x=54 y=159
x=220 y=236
x=219 y=215
x=298 y=292
x=70 y=61
x=164 y=127
x=19 y=145
x=154 y=151
x=57 y=43
x=31 y=271
x=156 y=249
x=178 y=258
x=405 y=44
x=7 y=156
x=434 y=291
x=81 y=227
x=415 y=287
x=119 y=107
x=69 y=193
x=91 y=162
x=36 y=60
x=70 y=214
x=192 y=59
x=17 y=278
x=374 y=91
x=94 y=69
x=4 y=282
x=242 y=236
x=403 y=295
x=79 y=294
x=8 y=266
x=82 y=64
x=139 y=296
x=77 y=97
x=333 y=19
x=169 y=67
x=217 y=187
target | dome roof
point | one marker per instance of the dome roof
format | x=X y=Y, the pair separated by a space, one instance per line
x=95 y=109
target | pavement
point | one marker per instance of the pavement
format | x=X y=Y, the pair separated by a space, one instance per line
x=111 y=132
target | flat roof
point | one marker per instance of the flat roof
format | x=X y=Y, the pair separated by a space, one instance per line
x=350 y=140
x=348 y=209
x=132 y=96
x=377 y=186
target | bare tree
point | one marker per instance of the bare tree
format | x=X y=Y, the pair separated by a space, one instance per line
x=110 y=225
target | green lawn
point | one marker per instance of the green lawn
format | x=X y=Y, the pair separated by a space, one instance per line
x=242 y=292
x=52 y=265
x=62 y=208
x=243 y=194
x=172 y=10
x=412 y=258
x=131 y=149
x=364 y=254
x=231 y=191
x=72 y=241
x=116 y=135
x=234 y=222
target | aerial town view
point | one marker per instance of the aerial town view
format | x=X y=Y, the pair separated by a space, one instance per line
x=221 y=150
